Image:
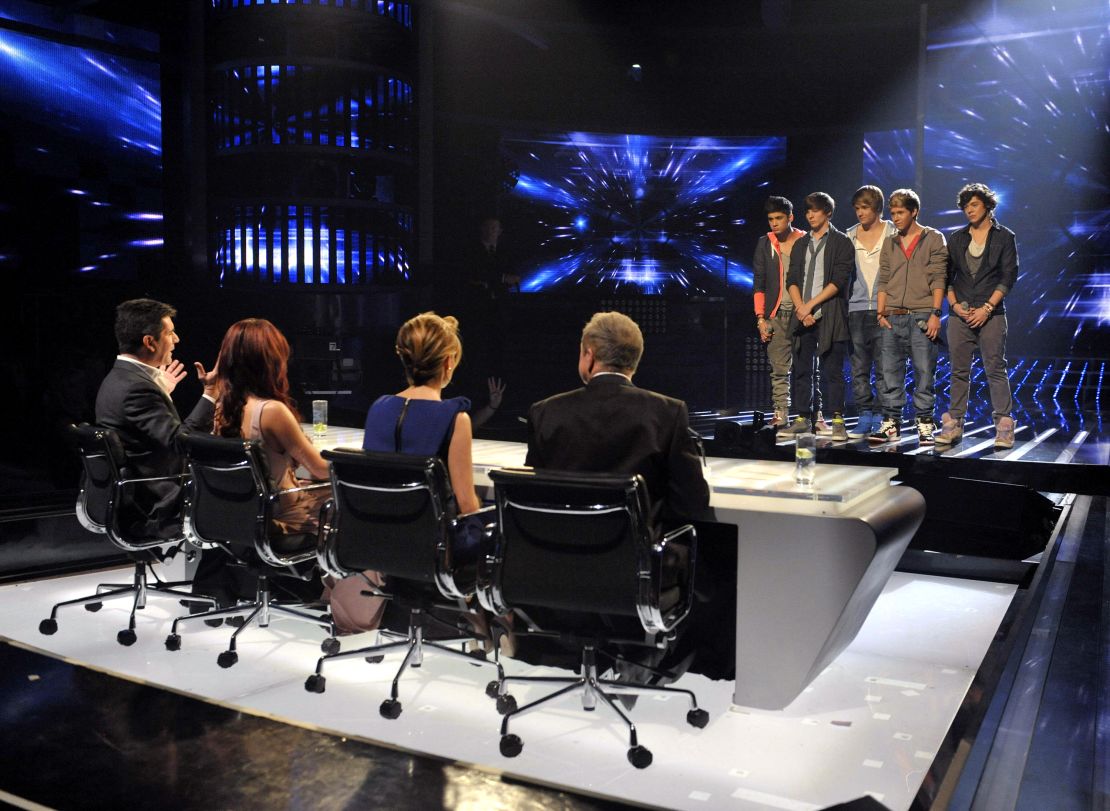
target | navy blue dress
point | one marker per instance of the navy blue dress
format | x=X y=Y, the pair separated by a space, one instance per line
x=426 y=431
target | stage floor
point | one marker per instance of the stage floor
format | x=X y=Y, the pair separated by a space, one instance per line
x=871 y=723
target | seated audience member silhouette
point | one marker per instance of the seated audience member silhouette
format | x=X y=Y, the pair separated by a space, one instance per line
x=254 y=403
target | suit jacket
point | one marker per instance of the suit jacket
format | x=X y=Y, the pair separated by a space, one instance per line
x=144 y=416
x=839 y=265
x=611 y=426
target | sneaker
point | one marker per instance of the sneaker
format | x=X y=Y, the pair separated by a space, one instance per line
x=951 y=430
x=1004 y=433
x=925 y=428
x=780 y=417
x=820 y=427
x=839 y=432
x=888 y=431
x=801 y=425
x=863 y=427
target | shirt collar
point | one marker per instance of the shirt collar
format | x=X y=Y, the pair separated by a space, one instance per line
x=153 y=372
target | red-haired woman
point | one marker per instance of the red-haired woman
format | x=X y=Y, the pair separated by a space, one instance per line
x=253 y=402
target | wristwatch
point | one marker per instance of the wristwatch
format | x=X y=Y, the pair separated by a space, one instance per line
x=936 y=313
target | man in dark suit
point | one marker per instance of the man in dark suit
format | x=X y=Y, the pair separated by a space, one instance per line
x=611 y=426
x=821 y=267
x=134 y=400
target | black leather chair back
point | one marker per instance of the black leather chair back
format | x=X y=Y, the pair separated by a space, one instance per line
x=228 y=502
x=391 y=514
x=102 y=459
x=578 y=542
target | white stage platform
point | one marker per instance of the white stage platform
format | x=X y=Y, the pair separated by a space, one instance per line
x=871 y=723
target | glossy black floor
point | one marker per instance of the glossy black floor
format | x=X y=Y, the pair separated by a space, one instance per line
x=75 y=738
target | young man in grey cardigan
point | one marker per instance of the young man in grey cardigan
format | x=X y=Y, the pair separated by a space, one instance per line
x=912 y=280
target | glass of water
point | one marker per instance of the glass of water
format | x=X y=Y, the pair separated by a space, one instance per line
x=805 y=459
x=319 y=417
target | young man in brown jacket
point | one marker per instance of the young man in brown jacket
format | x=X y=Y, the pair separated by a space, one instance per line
x=913 y=267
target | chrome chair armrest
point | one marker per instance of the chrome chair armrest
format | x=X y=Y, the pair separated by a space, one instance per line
x=300 y=489
x=176 y=477
x=449 y=584
x=325 y=549
x=676 y=548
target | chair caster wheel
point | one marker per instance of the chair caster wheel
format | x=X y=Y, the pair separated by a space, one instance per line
x=373 y=660
x=48 y=627
x=92 y=608
x=126 y=637
x=214 y=623
x=173 y=642
x=390 y=708
x=697 y=718
x=511 y=745
x=506 y=704
x=491 y=688
x=235 y=622
x=330 y=646
x=315 y=683
x=639 y=757
x=227 y=658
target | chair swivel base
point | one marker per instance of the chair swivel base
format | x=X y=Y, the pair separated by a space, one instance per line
x=415 y=646
x=262 y=611
x=590 y=688
x=139 y=590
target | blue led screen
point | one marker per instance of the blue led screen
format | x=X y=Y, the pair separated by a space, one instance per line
x=1017 y=99
x=81 y=132
x=624 y=213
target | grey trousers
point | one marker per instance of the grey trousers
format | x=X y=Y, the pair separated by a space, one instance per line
x=780 y=356
x=990 y=339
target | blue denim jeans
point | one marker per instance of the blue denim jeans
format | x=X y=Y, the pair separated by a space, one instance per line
x=866 y=353
x=907 y=341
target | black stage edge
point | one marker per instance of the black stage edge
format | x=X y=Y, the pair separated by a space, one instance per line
x=78 y=738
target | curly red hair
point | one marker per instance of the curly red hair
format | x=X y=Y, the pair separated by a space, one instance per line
x=253 y=359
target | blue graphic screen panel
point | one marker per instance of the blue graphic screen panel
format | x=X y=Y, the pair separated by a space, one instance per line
x=635 y=214
x=82 y=134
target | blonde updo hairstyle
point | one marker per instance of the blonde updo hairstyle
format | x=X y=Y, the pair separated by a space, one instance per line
x=424 y=342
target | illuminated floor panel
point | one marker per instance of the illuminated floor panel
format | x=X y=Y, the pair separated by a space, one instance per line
x=871 y=723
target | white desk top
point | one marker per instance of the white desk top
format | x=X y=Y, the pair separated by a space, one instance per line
x=736 y=484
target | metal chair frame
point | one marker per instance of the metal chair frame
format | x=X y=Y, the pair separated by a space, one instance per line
x=425 y=474
x=629 y=497
x=263 y=609
x=99 y=446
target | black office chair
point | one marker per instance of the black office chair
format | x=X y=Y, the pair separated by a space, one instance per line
x=229 y=504
x=392 y=513
x=104 y=506
x=581 y=548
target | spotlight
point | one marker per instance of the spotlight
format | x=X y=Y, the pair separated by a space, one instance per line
x=636 y=72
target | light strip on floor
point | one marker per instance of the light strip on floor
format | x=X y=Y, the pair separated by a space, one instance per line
x=1019 y=452
x=1068 y=453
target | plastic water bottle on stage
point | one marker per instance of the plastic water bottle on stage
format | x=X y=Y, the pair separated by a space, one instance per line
x=805 y=459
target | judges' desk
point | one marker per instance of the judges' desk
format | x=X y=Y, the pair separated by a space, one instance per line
x=811 y=561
